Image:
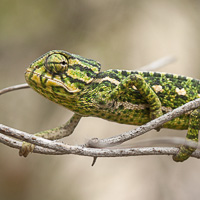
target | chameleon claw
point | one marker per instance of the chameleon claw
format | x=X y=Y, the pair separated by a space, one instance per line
x=94 y=161
x=158 y=128
x=26 y=148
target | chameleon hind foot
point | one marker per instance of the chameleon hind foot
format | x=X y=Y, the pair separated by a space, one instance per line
x=192 y=135
x=26 y=148
x=183 y=154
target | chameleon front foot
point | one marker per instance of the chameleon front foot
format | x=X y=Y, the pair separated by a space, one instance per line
x=26 y=149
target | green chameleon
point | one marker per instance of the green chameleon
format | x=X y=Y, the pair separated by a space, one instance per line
x=127 y=97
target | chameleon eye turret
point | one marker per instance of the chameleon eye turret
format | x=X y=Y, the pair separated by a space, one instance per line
x=56 y=63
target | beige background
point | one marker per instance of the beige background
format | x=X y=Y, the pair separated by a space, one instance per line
x=121 y=34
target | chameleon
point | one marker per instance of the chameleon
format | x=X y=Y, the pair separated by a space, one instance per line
x=122 y=96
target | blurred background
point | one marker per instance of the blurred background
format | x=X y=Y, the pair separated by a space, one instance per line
x=121 y=34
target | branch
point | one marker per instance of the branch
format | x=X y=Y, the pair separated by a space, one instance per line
x=17 y=145
x=14 y=87
x=58 y=148
x=168 y=140
x=158 y=63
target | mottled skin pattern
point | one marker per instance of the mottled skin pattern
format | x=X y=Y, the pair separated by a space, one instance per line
x=127 y=97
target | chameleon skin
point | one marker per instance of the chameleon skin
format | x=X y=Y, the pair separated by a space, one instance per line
x=123 y=96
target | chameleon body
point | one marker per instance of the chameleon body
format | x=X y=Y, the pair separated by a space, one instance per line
x=123 y=96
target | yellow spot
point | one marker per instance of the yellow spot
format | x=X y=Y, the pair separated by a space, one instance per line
x=175 y=75
x=163 y=73
x=112 y=80
x=180 y=91
x=157 y=88
x=36 y=78
x=74 y=62
x=198 y=95
x=151 y=73
x=134 y=87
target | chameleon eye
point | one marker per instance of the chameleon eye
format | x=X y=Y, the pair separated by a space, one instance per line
x=56 y=63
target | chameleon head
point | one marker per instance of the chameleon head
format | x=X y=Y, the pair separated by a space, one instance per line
x=59 y=73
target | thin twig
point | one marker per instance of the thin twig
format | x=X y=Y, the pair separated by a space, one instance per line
x=14 y=87
x=17 y=145
x=165 y=141
x=158 y=63
x=60 y=148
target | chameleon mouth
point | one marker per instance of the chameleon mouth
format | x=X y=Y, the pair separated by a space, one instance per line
x=47 y=81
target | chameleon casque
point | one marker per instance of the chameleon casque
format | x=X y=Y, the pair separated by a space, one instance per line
x=123 y=96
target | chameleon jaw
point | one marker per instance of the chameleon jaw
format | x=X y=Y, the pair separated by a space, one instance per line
x=31 y=76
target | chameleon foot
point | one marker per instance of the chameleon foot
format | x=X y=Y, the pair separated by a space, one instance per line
x=26 y=149
x=192 y=135
x=183 y=154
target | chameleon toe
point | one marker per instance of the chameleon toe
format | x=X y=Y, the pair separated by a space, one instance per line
x=26 y=149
